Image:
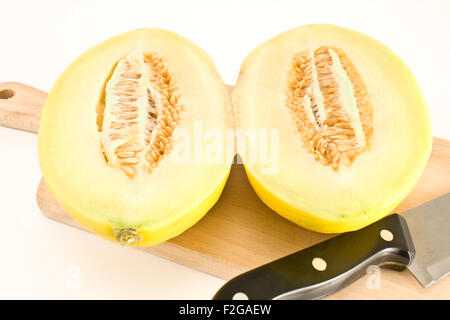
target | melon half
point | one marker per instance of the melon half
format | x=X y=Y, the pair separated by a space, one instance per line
x=121 y=137
x=350 y=126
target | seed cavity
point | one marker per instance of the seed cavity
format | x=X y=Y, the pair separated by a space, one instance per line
x=330 y=106
x=139 y=113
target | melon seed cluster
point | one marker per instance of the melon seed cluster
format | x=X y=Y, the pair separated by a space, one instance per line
x=141 y=110
x=329 y=103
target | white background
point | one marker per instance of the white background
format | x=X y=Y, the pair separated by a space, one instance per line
x=40 y=258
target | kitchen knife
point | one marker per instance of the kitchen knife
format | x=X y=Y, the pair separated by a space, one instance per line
x=418 y=239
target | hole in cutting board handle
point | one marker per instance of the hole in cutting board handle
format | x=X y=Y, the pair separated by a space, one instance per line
x=6 y=94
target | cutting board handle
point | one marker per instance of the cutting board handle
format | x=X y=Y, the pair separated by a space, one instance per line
x=21 y=106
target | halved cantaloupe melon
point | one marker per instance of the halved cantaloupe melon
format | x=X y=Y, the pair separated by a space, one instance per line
x=351 y=125
x=119 y=137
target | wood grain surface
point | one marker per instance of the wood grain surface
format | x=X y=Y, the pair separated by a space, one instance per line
x=240 y=232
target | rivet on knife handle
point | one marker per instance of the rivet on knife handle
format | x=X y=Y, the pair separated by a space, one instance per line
x=327 y=267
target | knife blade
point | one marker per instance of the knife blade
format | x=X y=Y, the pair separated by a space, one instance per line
x=417 y=239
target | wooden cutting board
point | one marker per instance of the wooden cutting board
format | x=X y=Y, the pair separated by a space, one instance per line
x=240 y=232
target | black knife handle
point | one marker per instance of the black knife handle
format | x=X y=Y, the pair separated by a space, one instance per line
x=347 y=258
